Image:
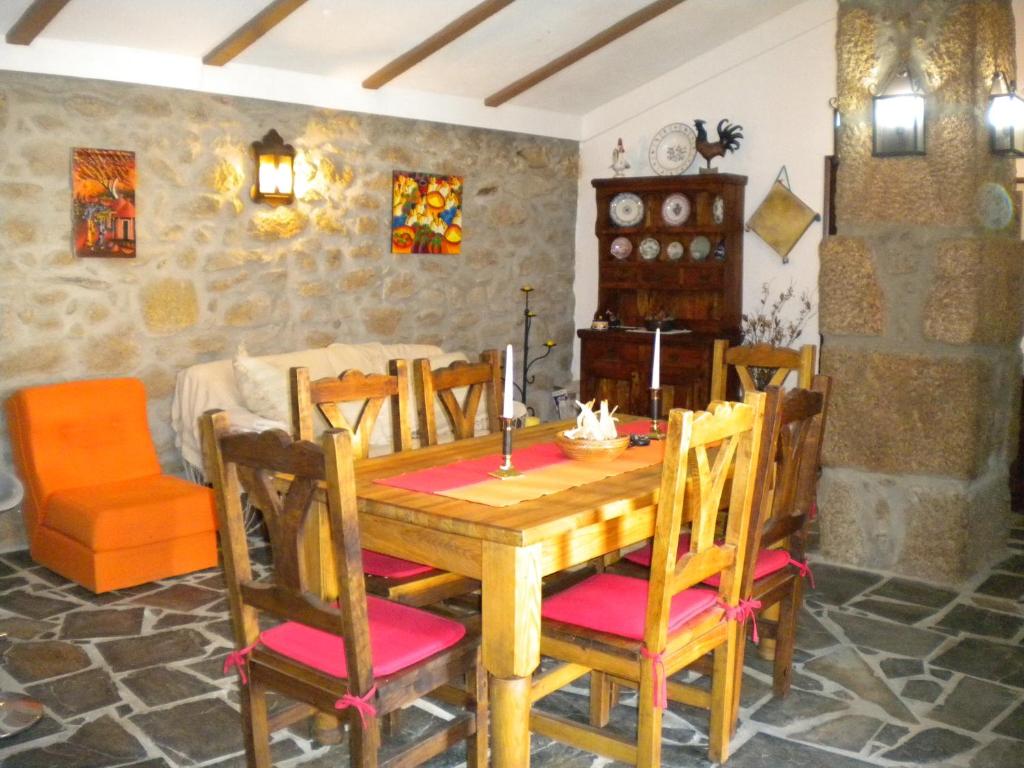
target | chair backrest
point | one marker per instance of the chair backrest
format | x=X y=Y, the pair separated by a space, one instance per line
x=706 y=453
x=283 y=477
x=369 y=393
x=76 y=434
x=780 y=360
x=481 y=381
x=796 y=455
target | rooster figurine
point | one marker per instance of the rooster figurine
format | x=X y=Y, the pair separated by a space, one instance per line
x=728 y=140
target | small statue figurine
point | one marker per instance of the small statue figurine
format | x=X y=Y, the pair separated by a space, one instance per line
x=619 y=161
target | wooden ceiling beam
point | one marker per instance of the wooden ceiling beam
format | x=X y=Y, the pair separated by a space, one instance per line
x=598 y=41
x=251 y=31
x=435 y=42
x=34 y=20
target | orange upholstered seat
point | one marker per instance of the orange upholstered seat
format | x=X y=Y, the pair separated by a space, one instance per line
x=97 y=508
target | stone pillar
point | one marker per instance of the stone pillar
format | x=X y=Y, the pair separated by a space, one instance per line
x=920 y=301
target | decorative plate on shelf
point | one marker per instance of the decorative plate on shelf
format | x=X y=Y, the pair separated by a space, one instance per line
x=700 y=248
x=649 y=249
x=718 y=210
x=621 y=247
x=626 y=209
x=673 y=149
x=675 y=210
x=675 y=250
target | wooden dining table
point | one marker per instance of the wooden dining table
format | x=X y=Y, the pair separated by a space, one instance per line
x=510 y=549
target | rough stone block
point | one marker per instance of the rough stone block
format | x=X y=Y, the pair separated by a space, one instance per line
x=851 y=297
x=975 y=297
x=884 y=413
x=940 y=530
x=169 y=305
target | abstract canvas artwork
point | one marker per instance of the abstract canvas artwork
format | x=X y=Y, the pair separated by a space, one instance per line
x=426 y=213
x=103 y=202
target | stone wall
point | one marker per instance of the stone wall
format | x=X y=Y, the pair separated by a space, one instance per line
x=215 y=269
x=921 y=301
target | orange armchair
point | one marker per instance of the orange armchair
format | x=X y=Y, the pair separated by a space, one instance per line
x=98 y=510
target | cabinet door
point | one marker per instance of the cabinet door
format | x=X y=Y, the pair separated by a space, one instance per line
x=685 y=376
x=618 y=372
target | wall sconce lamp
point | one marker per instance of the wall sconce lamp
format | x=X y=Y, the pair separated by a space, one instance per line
x=1005 y=117
x=897 y=116
x=275 y=175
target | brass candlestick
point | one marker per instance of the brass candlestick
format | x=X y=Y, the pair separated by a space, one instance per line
x=655 y=433
x=506 y=470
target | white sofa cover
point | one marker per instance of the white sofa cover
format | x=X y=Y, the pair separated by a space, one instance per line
x=216 y=385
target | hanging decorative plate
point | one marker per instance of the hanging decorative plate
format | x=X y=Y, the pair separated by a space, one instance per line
x=626 y=209
x=782 y=218
x=675 y=250
x=718 y=210
x=649 y=249
x=700 y=248
x=673 y=149
x=675 y=210
x=621 y=247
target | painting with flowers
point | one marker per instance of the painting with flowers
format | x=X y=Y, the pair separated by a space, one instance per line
x=426 y=213
x=103 y=204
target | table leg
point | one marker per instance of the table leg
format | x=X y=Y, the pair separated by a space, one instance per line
x=511 y=646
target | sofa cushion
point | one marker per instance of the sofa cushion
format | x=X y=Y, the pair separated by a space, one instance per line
x=368 y=358
x=102 y=419
x=263 y=381
x=130 y=513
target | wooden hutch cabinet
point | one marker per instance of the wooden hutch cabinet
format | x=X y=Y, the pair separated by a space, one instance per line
x=668 y=246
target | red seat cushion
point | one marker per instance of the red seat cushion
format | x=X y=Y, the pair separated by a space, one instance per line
x=388 y=567
x=643 y=555
x=768 y=562
x=400 y=636
x=130 y=513
x=617 y=604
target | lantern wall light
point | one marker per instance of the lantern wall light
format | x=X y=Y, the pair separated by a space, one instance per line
x=898 y=116
x=275 y=174
x=1005 y=117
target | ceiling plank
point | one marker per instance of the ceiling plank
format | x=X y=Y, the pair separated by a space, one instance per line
x=251 y=31
x=435 y=42
x=601 y=39
x=34 y=20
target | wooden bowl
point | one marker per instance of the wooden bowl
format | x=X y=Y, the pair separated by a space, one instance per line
x=592 y=450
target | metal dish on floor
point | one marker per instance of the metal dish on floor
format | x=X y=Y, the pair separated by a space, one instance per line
x=17 y=712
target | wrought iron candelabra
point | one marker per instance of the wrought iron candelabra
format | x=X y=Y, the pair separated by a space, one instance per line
x=528 y=315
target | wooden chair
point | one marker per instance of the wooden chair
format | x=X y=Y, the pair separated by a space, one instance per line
x=782 y=538
x=782 y=359
x=361 y=657
x=630 y=630
x=373 y=391
x=393 y=577
x=773 y=578
x=482 y=382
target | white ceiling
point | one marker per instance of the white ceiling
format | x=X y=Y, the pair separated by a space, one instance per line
x=323 y=51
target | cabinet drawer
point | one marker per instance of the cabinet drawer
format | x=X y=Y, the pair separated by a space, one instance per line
x=683 y=357
x=612 y=351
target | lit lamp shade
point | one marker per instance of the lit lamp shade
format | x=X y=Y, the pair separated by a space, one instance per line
x=898 y=119
x=1006 y=124
x=274 y=170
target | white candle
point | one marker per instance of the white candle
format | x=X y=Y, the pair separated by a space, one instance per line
x=656 y=364
x=506 y=411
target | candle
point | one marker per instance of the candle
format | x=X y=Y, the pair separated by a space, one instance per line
x=656 y=364
x=506 y=411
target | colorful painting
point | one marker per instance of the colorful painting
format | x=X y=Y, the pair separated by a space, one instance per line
x=426 y=213
x=103 y=205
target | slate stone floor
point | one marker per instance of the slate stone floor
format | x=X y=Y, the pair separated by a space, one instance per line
x=890 y=672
